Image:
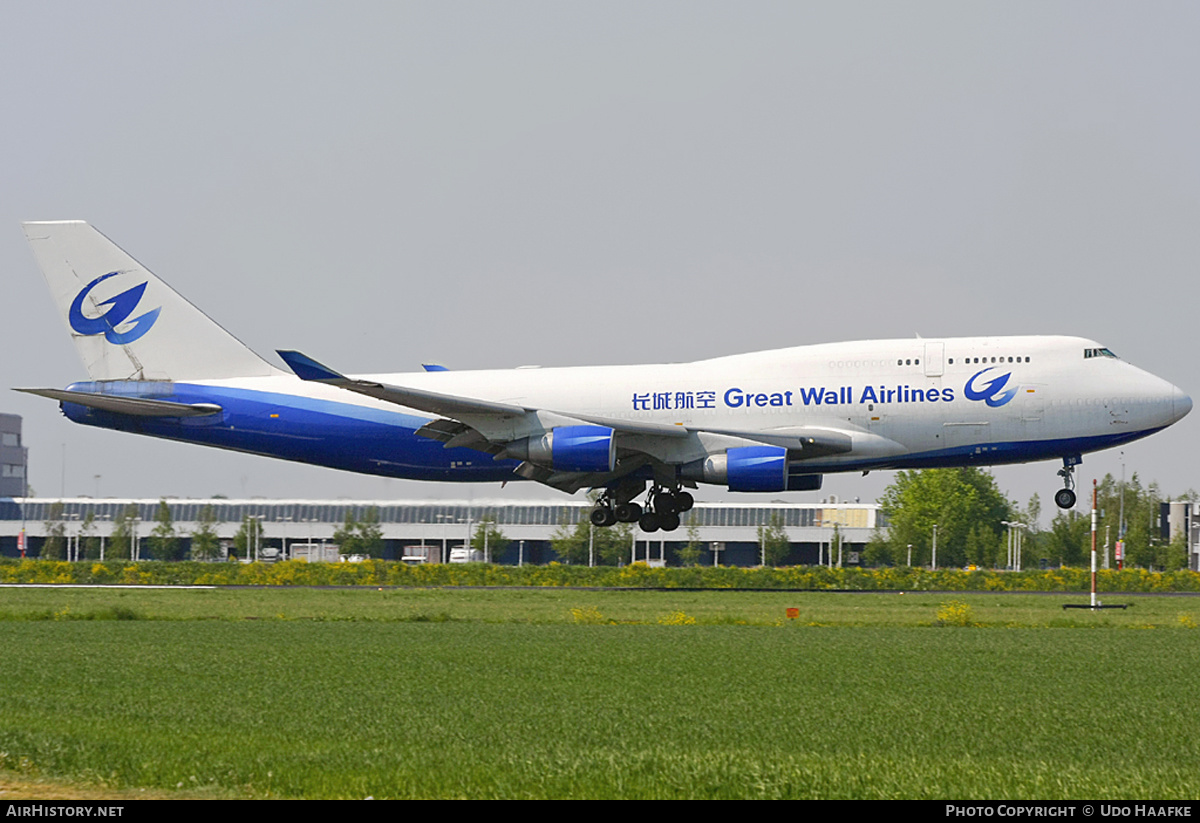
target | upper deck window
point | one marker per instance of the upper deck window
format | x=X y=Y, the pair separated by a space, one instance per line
x=1098 y=353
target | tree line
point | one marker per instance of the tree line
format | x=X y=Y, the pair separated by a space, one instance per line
x=970 y=513
x=163 y=543
x=357 y=536
x=166 y=542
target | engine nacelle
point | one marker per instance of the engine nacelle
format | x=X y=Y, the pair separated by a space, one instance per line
x=569 y=449
x=743 y=469
x=804 y=482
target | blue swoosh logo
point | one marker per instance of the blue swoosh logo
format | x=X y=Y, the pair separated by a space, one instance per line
x=120 y=307
x=990 y=393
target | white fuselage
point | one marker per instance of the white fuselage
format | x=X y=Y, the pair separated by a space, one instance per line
x=913 y=393
x=903 y=402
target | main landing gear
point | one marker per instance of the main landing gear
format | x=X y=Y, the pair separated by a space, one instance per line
x=1064 y=498
x=662 y=510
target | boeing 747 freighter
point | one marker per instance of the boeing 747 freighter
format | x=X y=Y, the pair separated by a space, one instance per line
x=763 y=422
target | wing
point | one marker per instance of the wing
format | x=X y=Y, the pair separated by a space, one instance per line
x=569 y=450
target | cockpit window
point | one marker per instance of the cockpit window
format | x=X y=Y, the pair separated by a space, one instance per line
x=1098 y=353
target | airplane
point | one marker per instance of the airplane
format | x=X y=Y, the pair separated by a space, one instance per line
x=769 y=421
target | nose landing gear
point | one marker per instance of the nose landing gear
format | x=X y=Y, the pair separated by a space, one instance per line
x=1064 y=498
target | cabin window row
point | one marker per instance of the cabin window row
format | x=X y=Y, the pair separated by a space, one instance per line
x=969 y=360
x=916 y=361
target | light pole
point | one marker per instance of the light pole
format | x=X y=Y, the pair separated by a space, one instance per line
x=258 y=534
x=24 y=539
x=104 y=517
x=1015 y=533
x=283 y=540
x=73 y=545
x=442 y=518
x=1121 y=520
x=310 y=521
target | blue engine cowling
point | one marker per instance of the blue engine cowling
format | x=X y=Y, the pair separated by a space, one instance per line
x=743 y=469
x=757 y=469
x=570 y=449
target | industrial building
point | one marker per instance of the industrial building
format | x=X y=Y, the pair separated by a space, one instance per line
x=430 y=530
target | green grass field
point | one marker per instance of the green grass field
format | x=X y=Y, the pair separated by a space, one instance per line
x=569 y=693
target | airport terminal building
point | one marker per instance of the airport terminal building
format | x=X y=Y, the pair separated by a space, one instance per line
x=430 y=530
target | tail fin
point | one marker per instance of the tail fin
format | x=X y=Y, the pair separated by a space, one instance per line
x=126 y=323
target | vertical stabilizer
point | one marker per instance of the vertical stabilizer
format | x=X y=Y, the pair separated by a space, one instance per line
x=126 y=323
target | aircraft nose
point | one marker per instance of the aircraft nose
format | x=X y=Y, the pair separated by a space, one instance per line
x=1181 y=404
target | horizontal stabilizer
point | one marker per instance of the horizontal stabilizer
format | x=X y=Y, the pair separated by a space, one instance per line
x=135 y=406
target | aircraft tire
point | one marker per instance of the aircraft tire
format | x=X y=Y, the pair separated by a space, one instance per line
x=627 y=512
x=684 y=501
x=669 y=522
x=602 y=516
x=1064 y=498
x=649 y=522
x=666 y=503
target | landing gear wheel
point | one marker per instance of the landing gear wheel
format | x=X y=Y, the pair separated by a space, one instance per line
x=665 y=503
x=627 y=512
x=1064 y=498
x=684 y=501
x=602 y=516
x=669 y=522
x=649 y=522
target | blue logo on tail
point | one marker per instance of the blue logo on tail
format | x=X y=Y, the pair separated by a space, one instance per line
x=121 y=307
x=991 y=391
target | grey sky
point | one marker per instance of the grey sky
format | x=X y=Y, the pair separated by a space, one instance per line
x=493 y=184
